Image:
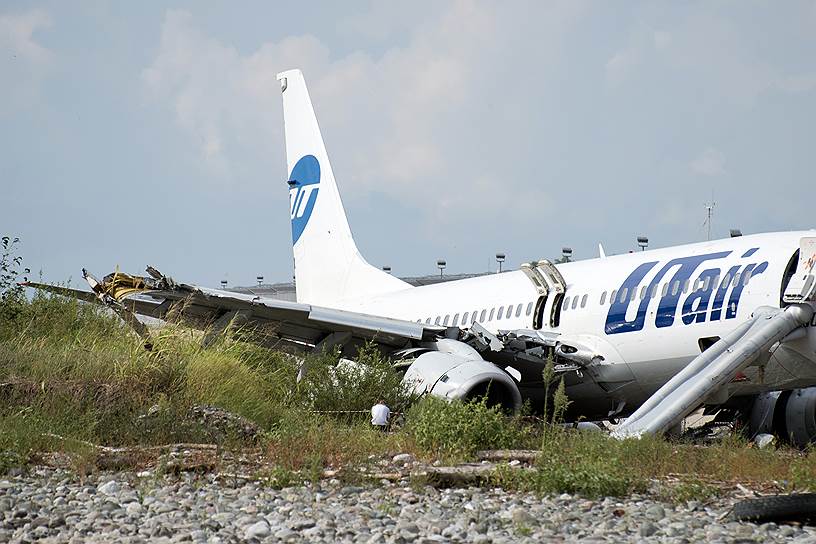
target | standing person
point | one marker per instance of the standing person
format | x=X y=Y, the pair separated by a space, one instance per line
x=379 y=415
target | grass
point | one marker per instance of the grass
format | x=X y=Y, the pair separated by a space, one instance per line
x=73 y=376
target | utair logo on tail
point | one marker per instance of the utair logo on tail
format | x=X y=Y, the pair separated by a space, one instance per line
x=709 y=284
x=304 y=184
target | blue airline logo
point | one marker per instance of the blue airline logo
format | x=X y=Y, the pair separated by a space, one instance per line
x=695 y=306
x=304 y=184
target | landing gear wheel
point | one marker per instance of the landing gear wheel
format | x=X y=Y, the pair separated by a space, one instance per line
x=794 y=507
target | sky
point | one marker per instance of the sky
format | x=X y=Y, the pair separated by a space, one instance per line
x=151 y=133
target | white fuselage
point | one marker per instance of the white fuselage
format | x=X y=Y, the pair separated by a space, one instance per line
x=665 y=301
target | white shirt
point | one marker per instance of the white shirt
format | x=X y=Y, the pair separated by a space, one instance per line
x=379 y=414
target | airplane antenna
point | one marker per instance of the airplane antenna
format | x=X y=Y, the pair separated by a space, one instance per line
x=709 y=212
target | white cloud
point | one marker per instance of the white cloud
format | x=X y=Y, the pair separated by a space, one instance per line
x=394 y=110
x=797 y=84
x=711 y=162
x=17 y=35
x=662 y=39
x=23 y=61
x=621 y=65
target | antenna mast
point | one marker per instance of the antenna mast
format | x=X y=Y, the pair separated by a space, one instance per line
x=709 y=212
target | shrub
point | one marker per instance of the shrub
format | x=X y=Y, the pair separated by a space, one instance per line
x=12 y=296
x=458 y=429
x=332 y=384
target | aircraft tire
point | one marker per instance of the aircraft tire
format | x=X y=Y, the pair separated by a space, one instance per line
x=793 y=507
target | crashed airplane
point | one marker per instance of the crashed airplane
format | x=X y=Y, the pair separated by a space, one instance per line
x=648 y=336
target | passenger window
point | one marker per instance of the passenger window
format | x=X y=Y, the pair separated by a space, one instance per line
x=706 y=283
x=436 y=321
x=746 y=277
x=612 y=296
x=509 y=313
x=445 y=322
x=736 y=279
x=473 y=316
x=665 y=290
x=726 y=281
x=633 y=294
x=456 y=320
x=574 y=302
x=686 y=286
x=464 y=318
x=501 y=313
x=642 y=292
x=482 y=316
x=492 y=311
x=583 y=301
x=623 y=293
x=603 y=298
x=529 y=309
x=654 y=291
x=518 y=309
x=675 y=287
x=566 y=303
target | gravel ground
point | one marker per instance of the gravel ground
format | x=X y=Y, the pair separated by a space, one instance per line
x=51 y=505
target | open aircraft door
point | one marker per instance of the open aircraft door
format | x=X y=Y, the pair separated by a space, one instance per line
x=550 y=286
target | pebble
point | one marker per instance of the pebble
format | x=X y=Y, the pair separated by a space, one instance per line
x=259 y=529
x=122 y=507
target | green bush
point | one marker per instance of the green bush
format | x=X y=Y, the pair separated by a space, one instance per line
x=458 y=429
x=12 y=296
x=332 y=384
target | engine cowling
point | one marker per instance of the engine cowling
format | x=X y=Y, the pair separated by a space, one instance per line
x=788 y=414
x=454 y=370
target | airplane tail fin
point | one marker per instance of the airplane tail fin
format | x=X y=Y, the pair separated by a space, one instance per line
x=328 y=266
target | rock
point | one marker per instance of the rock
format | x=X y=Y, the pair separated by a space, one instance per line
x=401 y=458
x=257 y=530
x=285 y=534
x=520 y=516
x=647 y=528
x=786 y=531
x=655 y=513
x=133 y=509
x=224 y=422
x=109 y=488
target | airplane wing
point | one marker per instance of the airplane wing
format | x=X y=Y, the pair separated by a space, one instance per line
x=276 y=323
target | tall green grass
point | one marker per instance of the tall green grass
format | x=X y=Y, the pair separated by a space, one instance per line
x=73 y=369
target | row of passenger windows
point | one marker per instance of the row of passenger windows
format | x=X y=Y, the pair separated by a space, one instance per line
x=674 y=288
x=576 y=301
x=486 y=314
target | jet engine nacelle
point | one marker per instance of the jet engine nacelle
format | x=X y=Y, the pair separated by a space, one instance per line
x=454 y=370
x=788 y=414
